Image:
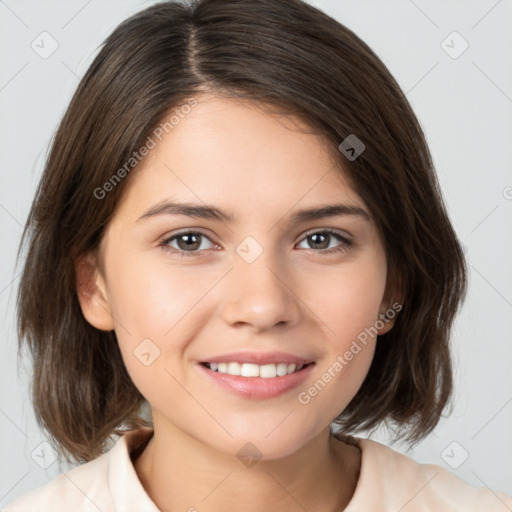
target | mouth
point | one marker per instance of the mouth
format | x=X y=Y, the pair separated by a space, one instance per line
x=256 y=382
x=251 y=370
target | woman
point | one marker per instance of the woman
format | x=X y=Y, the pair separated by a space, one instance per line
x=207 y=151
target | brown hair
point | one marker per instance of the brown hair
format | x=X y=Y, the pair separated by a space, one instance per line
x=283 y=54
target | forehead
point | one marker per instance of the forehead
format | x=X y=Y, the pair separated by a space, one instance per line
x=229 y=150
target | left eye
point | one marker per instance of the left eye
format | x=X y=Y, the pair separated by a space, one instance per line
x=322 y=240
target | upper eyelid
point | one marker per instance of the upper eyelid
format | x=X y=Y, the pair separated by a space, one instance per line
x=339 y=232
x=186 y=232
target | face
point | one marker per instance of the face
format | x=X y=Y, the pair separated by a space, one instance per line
x=242 y=275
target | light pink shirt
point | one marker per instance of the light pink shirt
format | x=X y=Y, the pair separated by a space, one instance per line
x=388 y=482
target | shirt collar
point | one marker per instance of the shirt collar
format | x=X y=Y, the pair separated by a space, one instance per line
x=127 y=490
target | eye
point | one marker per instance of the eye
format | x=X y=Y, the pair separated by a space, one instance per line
x=323 y=240
x=187 y=242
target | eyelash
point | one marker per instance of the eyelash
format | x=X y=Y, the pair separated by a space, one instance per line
x=344 y=246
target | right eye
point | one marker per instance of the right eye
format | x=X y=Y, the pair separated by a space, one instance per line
x=186 y=242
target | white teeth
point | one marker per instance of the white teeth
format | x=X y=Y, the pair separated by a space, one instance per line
x=250 y=370
x=234 y=368
x=282 y=369
x=265 y=371
x=268 y=371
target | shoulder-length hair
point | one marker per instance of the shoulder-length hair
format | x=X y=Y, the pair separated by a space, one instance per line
x=289 y=57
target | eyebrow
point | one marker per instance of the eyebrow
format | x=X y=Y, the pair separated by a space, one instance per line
x=213 y=213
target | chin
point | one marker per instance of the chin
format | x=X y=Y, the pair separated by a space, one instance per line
x=259 y=445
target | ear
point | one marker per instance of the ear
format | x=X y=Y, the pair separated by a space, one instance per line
x=389 y=309
x=92 y=293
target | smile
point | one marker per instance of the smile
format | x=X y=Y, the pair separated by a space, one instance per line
x=257 y=382
x=266 y=371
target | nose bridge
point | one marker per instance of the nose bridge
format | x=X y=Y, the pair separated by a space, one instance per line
x=257 y=294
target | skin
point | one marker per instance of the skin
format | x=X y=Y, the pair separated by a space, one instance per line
x=294 y=297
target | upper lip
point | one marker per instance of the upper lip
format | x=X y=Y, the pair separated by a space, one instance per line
x=259 y=358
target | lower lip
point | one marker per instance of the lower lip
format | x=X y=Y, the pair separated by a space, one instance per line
x=256 y=387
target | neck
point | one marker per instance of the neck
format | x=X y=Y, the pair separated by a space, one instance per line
x=182 y=473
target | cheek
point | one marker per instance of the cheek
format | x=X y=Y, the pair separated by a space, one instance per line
x=157 y=308
x=347 y=302
x=154 y=300
x=347 y=299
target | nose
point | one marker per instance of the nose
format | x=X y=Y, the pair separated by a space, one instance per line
x=259 y=294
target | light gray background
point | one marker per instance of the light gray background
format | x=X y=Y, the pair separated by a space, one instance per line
x=464 y=105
